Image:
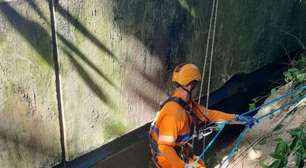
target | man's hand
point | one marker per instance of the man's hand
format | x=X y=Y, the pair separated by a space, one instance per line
x=196 y=166
x=246 y=120
x=191 y=164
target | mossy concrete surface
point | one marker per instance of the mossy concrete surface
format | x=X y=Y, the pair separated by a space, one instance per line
x=107 y=76
x=29 y=131
x=116 y=57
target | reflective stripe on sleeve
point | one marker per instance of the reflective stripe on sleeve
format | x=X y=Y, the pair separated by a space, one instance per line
x=166 y=138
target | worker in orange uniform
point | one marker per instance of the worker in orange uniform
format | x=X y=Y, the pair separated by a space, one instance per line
x=172 y=126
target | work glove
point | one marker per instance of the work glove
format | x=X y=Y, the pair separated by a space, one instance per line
x=196 y=166
x=200 y=164
x=246 y=120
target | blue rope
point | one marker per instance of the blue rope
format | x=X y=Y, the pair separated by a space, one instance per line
x=291 y=93
x=242 y=135
x=281 y=108
x=220 y=128
x=237 y=143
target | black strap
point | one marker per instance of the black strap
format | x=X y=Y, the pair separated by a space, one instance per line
x=207 y=119
x=183 y=104
x=179 y=101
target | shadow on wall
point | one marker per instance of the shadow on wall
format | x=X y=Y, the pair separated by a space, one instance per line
x=299 y=12
x=35 y=34
x=75 y=23
x=71 y=50
x=162 y=27
x=78 y=25
x=23 y=145
x=254 y=36
x=40 y=39
x=32 y=32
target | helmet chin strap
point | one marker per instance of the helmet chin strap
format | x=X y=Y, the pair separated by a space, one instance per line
x=189 y=92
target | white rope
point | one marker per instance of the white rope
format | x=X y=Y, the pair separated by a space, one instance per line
x=206 y=51
x=205 y=62
x=210 y=64
x=211 y=56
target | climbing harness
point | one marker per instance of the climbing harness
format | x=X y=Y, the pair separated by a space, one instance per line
x=181 y=150
x=258 y=119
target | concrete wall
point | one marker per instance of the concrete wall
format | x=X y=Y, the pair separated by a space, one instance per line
x=115 y=59
x=29 y=129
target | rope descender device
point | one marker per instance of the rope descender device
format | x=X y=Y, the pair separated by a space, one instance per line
x=203 y=132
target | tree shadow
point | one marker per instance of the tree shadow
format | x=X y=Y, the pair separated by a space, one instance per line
x=161 y=31
x=31 y=31
x=145 y=96
x=40 y=39
x=79 y=26
x=34 y=147
x=82 y=56
x=86 y=77
x=162 y=27
x=71 y=46
x=163 y=39
x=35 y=8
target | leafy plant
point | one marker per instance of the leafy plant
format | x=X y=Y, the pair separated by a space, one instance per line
x=297 y=73
x=283 y=149
x=252 y=106
x=298 y=145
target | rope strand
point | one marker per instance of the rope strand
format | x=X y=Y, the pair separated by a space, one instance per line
x=210 y=67
x=205 y=62
x=206 y=50
x=211 y=56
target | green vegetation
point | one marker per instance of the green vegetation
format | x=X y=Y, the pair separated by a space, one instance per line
x=297 y=73
x=296 y=148
x=254 y=101
x=114 y=129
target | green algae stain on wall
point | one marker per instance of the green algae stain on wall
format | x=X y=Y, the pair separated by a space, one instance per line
x=113 y=129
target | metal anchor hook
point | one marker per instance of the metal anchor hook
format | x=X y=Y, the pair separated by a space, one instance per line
x=206 y=131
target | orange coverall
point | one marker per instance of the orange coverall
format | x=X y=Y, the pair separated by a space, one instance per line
x=172 y=127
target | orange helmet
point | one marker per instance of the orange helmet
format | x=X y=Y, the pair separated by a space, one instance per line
x=183 y=74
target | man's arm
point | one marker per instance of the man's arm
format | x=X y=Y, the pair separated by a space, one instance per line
x=168 y=131
x=211 y=115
